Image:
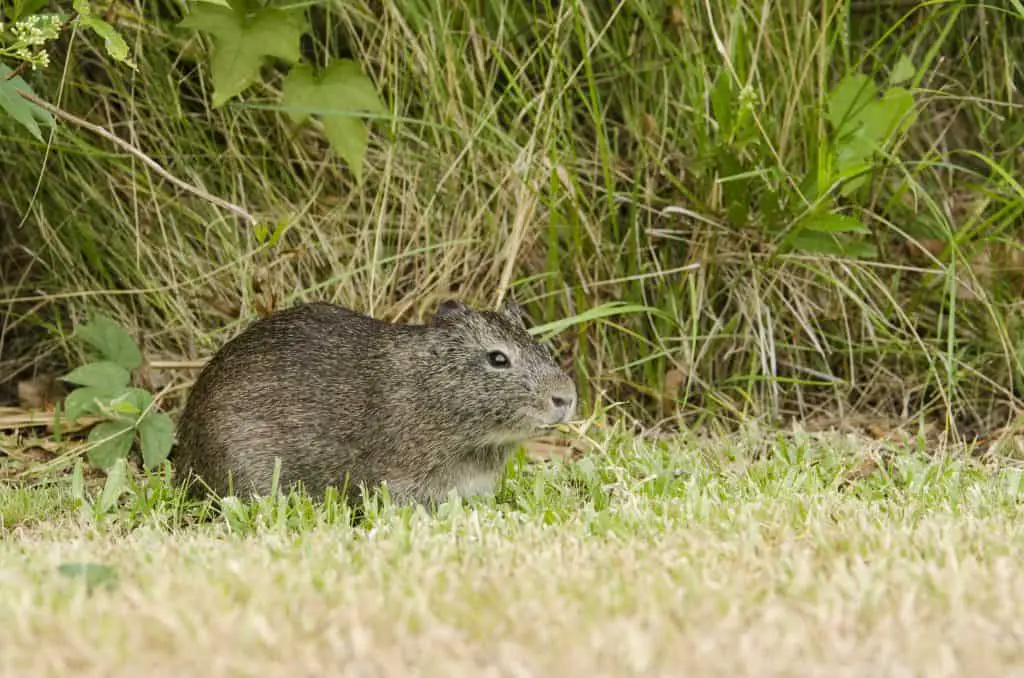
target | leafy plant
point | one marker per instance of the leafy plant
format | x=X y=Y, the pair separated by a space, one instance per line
x=103 y=389
x=25 y=40
x=862 y=123
x=244 y=40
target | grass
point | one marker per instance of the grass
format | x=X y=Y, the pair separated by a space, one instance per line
x=756 y=554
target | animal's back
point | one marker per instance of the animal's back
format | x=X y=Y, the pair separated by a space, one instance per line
x=301 y=385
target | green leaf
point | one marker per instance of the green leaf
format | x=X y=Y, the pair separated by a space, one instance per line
x=903 y=70
x=83 y=401
x=156 y=436
x=110 y=339
x=833 y=223
x=242 y=44
x=115 y=45
x=334 y=95
x=852 y=94
x=114 y=487
x=93 y=575
x=723 y=104
x=828 y=243
x=882 y=117
x=110 y=441
x=103 y=375
x=24 y=112
x=22 y=8
x=132 y=401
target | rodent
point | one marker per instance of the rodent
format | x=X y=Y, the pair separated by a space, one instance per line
x=347 y=400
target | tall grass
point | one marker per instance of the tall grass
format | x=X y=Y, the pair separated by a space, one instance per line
x=570 y=152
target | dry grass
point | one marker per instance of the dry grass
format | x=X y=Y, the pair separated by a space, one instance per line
x=680 y=559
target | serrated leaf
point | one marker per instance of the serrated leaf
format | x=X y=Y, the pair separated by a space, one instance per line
x=340 y=91
x=846 y=100
x=110 y=441
x=110 y=339
x=241 y=44
x=156 y=436
x=83 y=401
x=903 y=70
x=24 y=112
x=833 y=223
x=103 y=375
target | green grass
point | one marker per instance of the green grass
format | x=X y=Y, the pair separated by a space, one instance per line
x=576 y=154
x=753 y=554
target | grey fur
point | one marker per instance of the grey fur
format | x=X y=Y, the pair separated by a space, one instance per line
x=333 y=393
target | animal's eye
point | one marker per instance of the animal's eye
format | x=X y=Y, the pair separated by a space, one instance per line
x=497 y=359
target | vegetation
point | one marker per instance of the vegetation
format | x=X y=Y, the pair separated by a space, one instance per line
x=723 y=162
x=643 y=558
x=734 y=218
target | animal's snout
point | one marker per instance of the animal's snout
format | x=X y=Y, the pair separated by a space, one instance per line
x=563 y=406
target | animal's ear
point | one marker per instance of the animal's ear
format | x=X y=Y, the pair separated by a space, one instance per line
x=450 y=308
x=512 y=312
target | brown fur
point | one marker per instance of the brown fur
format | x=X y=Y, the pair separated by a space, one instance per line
x=334 y=393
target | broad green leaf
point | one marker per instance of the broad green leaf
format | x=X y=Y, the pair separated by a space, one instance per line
x=110 y=339
x=156 y=436
x=846 y=101
x=115 y=45
x=24 y=112
x=882 y=117
x=903 y=70
x=812 y=241
x=828 y=243
x=22 y=8
x=852 y=158
x=116 y=437
x=859 y=249
x=833 y=223
x=242 y=43
x=83 y=401
x=335 y=95
x=103 y=375
x=132 y=401
x=93 y=575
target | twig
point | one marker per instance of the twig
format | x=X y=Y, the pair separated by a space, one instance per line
x=18 y=70
x=129 y=148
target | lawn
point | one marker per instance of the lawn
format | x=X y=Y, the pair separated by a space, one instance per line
x=679 y=556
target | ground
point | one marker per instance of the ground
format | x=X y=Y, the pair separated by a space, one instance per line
x=754 y=555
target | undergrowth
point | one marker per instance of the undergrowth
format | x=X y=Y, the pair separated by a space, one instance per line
x=664 y=154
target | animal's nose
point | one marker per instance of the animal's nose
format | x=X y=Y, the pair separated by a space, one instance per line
x=564 y=404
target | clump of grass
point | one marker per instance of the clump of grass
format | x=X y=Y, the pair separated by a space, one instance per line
x=574 y=154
